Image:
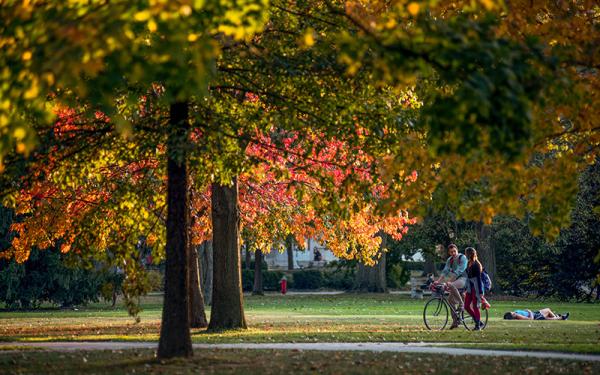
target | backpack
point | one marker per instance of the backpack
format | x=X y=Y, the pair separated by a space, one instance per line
x=460 y=256
x=487 y=280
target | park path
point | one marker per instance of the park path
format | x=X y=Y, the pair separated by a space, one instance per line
x=417 y=348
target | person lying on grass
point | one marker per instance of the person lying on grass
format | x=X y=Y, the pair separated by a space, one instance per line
x=542 y=314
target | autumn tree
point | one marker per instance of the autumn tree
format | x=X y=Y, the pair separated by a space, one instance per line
x=340 y=71
x=123 y=43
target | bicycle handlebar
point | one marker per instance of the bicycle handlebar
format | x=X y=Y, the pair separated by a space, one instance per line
x=437 y=287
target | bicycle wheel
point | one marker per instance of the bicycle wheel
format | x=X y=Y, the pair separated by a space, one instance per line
x=435 y=314
x=469 y=322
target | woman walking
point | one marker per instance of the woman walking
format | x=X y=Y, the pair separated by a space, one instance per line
x=474 y=286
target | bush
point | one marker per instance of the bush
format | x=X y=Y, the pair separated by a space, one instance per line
x=270 y=280
x=156 y=281
x=338 y=280
x=247 y=280
x=414 y=266
x=397 y=276
x=44 y=277
x=308 y=279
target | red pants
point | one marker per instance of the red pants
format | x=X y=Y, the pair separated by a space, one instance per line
x=471 y=299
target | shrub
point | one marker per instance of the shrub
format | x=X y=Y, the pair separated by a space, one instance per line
x=247 y=280
x=397 y=276
x=414 y=266
x=270 y=280
x=308 y=279
x=342 y=278
x=156 y=281
x=45 y=277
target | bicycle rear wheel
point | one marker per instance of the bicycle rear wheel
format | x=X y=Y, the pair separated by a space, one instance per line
x=435 y=314
x=469 y=322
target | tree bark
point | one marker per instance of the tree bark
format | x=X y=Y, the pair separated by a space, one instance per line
x=486 y=253
x=206 y=276
x=197 y=313
x=175 y=339
x=372 y=278
x=227 y=305
x=258 y=275
x=290 y=252
x=429 y=266
x=248 y=258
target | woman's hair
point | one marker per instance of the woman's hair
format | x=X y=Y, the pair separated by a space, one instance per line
x=472 y=257
x=471 y=254
x=508 y=316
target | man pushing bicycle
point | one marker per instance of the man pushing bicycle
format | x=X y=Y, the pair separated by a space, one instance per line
x=455 y=276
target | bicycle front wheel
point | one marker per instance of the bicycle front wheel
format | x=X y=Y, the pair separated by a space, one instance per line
x=436 y=314
x=469 y=322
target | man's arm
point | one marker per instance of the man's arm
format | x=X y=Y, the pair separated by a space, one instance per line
x=445 y=271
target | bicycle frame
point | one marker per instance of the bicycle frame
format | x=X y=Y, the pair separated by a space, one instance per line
x=443 y=309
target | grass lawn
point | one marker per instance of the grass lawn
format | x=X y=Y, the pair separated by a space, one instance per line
x=313 y=318
x=279 y=362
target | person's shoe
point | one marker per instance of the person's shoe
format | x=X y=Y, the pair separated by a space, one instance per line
x=454 y=324
x=478 y=326
x=565 y=316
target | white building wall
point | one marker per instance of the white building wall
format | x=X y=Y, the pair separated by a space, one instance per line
x=302 y=258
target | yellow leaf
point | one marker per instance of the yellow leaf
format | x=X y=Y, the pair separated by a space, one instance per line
x=129 y=34
x=19 y=133
x=198 y=4
x=192 y=37
x=26 y=56
x=152 y=26
x=391 y=23
x=32 y=92
x=49 y=78
x=488 y=4
x=413 y=9
x=309 y=38
x=185 y=10
x=142 y=16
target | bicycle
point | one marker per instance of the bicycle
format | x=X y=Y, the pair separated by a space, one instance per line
x=438 y=309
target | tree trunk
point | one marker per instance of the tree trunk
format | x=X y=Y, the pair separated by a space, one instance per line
x=429 y=267
x=207 y=271
x=372 y=279
x=175 y=340
x=486 y=253
x=197 y=313
x=227 y=304
x=248 y=258
x=258 y=275
x=290 y=252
